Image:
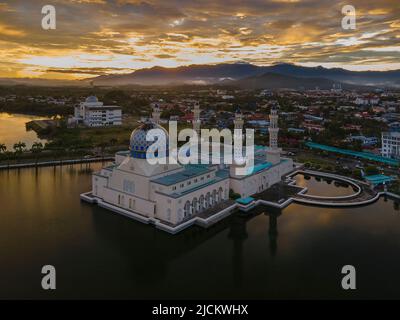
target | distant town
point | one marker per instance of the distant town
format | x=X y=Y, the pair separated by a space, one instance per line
x=97 y=121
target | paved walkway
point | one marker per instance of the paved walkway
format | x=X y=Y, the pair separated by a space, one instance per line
x=286 y=192
x=54 y=163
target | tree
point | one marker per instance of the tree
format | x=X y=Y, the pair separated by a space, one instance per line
x=37 y=147
x=371 y=170
x=19 y=147
x=113 y=141
x=233 y=195
x=3 y=149
x=102 y=145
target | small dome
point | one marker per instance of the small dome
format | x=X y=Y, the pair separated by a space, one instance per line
x=138 y=143
x=92 y=99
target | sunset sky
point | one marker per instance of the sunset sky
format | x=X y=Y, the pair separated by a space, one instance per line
x=95 y=37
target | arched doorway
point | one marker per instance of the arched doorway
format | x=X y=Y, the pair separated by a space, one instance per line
x=186 y=212
x=201 y=203
x=220 y=194
x=195 y=205
x=208 y=200
x=214 y=197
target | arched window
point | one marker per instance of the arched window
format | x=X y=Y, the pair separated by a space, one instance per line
x=187 y=212
x=220 y=194
x=214 y=197
x=201 y=204
x=208 y=200
x=169 y=214
x=195 y=205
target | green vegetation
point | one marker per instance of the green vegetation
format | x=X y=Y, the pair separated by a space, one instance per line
x=371 y=170
x=233 y=195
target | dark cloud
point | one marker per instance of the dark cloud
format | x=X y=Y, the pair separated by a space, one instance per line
x=184 y=31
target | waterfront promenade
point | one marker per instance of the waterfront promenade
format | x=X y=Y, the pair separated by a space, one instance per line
x=54 y=163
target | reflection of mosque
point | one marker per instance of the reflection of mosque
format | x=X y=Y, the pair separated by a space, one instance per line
x=238 y=234
x=149 y=251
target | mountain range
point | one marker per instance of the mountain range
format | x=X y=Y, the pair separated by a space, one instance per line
x=251 y=76
x=242 y=75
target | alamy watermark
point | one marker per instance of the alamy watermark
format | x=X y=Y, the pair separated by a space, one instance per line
x=349 y=20
x=165 y=149
x=49 y=280
x=49 y=19
x=349 y=280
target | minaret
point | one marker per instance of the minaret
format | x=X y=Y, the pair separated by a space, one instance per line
x=237 y=154
x=156 y=114
x=238 y=122
x=273 y=153
x=196 y=119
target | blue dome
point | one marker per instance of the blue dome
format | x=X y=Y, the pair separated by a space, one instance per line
x=138 y=143
x=92 y=99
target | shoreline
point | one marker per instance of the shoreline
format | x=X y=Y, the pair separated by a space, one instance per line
x=54 y=163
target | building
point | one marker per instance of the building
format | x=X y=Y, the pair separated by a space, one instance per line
x=92 y=113
x=365 y=141
x=391 y=145
x=172 y=195
x=367 y=100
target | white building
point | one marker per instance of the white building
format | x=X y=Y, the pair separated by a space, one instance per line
x=173 y=195
x=391 y=144
x=93 y=113
x=367 y=100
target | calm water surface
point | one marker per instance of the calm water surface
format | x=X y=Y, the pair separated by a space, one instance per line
x=13 y=130
x=294 y=253
x=318 y=186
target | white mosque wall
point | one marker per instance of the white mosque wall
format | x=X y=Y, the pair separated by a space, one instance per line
x=99 y=182
x=262 y=180
x=173 y=210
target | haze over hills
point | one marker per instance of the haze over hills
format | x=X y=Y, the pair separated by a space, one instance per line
x=220 y=73
x=40 y=82
x=278 y=81
x=243 y=75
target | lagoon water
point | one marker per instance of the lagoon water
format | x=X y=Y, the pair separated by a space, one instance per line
x=294 y=253
x=13 y=130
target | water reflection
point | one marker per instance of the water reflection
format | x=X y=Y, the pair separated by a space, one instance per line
x=266 y=253
x=13 y=130
x=322 y=186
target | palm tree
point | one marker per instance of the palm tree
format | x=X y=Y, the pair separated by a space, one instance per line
x=19 y=147
x=37 y=147
x=3 y=148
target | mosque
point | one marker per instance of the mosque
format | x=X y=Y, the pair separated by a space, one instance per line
x=175 y=196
